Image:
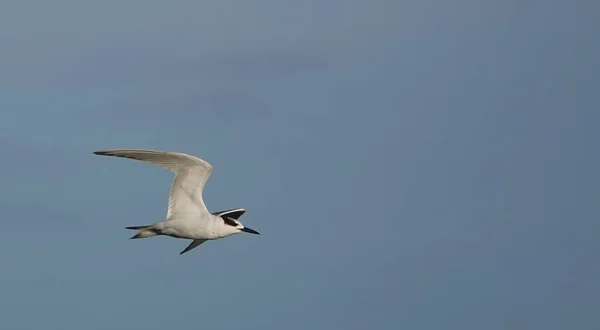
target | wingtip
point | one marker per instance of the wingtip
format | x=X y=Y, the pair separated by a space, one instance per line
x=107 y=153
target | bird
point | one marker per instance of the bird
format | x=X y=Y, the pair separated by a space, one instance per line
x=187 y=215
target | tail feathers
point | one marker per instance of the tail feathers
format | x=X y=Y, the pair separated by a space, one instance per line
x=137 y=227
x=143 y=231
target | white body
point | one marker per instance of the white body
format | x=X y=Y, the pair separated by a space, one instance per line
x=207 y=226
x=187 y=216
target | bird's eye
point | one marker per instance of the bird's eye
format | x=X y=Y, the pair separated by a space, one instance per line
x=230 y=221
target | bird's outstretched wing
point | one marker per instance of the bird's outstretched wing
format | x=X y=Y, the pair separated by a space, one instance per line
x=191 y=174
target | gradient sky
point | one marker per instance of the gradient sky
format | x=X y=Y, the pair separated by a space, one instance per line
x=412 y=164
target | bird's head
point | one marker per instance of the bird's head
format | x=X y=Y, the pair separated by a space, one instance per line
x=231 y=222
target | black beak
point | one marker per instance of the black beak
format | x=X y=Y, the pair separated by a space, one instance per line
x=251 y=231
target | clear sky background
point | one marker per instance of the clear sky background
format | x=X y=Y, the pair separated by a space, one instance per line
x=412 y=164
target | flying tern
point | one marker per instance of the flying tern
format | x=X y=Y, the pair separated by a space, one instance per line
x=187 y=216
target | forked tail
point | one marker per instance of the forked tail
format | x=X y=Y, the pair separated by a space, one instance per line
x=143 y=231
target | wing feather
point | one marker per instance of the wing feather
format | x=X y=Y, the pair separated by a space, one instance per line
x=193 y=245
x=191 y=174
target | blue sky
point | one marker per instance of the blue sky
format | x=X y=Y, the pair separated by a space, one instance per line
x=409 y=164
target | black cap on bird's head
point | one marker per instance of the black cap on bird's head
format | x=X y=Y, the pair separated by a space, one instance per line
x=230 y=218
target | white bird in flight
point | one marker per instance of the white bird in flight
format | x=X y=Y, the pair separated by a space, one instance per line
x=187 y=216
